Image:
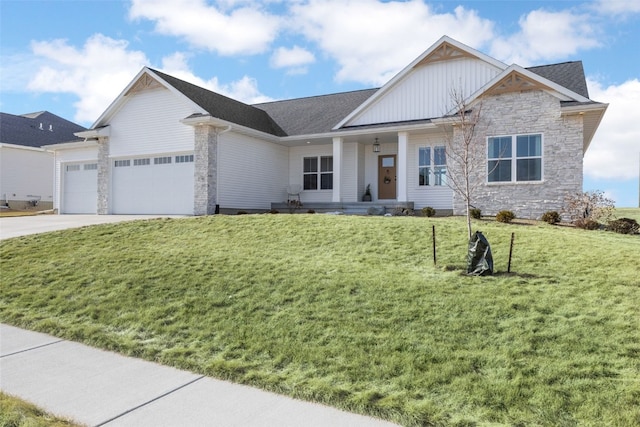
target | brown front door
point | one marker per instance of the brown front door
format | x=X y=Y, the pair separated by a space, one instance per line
x=387 y=177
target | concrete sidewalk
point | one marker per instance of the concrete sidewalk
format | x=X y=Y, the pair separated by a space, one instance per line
x=101 y=388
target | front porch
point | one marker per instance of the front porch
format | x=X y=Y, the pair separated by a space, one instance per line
x=347 y=208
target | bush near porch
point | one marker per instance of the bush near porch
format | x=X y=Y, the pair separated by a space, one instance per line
x=350 y=311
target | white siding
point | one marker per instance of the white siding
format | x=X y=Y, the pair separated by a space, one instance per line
x=296 y=156
x=149 y=122
x=251 y=173
x=25 y=172
x=81 y=154
x=426 y=91
x=438 y=197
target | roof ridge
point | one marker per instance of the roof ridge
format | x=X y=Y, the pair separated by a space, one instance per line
x=315 y=96
x=551 y=65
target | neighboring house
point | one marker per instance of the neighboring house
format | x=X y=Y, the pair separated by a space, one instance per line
x=165 y=146
x=26 y=169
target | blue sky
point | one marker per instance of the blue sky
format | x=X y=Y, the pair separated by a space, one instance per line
x=74 y=57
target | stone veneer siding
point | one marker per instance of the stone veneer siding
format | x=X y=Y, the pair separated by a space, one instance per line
x=205 y=170
x=562 y=154
x=104 y=179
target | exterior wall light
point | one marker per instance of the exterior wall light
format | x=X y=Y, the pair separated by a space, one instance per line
x=376 y=146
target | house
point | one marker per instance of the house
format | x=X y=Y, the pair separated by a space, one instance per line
x=165 y=146
x=26 y=169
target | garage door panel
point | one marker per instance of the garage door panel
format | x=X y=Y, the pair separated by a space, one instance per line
x=80 y=194
x=165 y=188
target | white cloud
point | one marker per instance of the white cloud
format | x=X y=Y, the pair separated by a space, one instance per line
x=244 y=90
x=96 y=73
x=245 y=30
x=617 y=7
x=614 y=151
x=546 y=36
x=370 y=40
x=291 y=57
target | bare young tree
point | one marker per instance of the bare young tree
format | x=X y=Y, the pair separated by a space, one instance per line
x=465 y=151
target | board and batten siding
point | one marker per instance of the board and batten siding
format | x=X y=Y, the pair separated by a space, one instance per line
x=25 y=172
x=437 y=197
x=63 y=157
x=251 y=173
x=149 y=123
x=426 y=91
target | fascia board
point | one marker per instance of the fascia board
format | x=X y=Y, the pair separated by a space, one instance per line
x=21 y=147
x=402 y=74
x=71 y=145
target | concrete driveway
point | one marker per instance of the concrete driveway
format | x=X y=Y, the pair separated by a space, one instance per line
x=24 y=225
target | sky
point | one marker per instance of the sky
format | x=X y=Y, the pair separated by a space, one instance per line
x=74 y=57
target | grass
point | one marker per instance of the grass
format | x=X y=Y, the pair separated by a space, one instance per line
x=351 y=311
x=15 y=412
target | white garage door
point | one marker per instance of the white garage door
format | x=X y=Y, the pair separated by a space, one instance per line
x=80 y=195
x=153 y=185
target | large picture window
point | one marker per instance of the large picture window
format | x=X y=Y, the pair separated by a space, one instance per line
x=317 y=173
x=432 y=166
x=514 y=158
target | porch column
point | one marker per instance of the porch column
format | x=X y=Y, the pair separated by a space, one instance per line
x=403 y=142
x=104 y=176
x=205 y=170
x=337 y=170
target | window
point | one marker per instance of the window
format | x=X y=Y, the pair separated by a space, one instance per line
x=141 y=162
x=122 y=163
x=161 y=160
x=518 y=157
x=432 y=170
x=185 y=159
x=317 y=172
x=73 y=168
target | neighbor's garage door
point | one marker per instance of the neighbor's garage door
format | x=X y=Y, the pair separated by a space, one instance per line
x=153 y=185
x=80 y=194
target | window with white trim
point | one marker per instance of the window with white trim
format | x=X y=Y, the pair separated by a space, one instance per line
x=432 y=166
x=161 y=160
x=122 y=163
x=514 y=158
x=73 y=168
x=317 y=173
x=141 y=162
x=187 y=158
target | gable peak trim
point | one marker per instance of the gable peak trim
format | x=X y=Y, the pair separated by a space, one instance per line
x=515 y=82
x=144 y=83
x=444 y=52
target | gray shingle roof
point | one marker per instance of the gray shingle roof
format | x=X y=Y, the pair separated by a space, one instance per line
x=566 y=74
x=319 y=114
x=37 y=129
x=316 y=114
x=222 y=107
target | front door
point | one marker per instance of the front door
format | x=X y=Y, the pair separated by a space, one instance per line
x=387 y=177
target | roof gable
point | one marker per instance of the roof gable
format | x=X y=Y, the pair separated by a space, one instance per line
x=422 y=89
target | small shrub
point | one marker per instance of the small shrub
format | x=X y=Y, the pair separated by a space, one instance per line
x=242 y=213
x=590 y=205
x=586 y=224
x=505 y=216
x=273 y=211
x=399 y=211
x=551 y=217
x=428 y=211
x=476 y=213
x=624 y=226
x=311 y=211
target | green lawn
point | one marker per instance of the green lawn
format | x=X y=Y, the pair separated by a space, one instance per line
x=15 y=412
x=351 y=311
